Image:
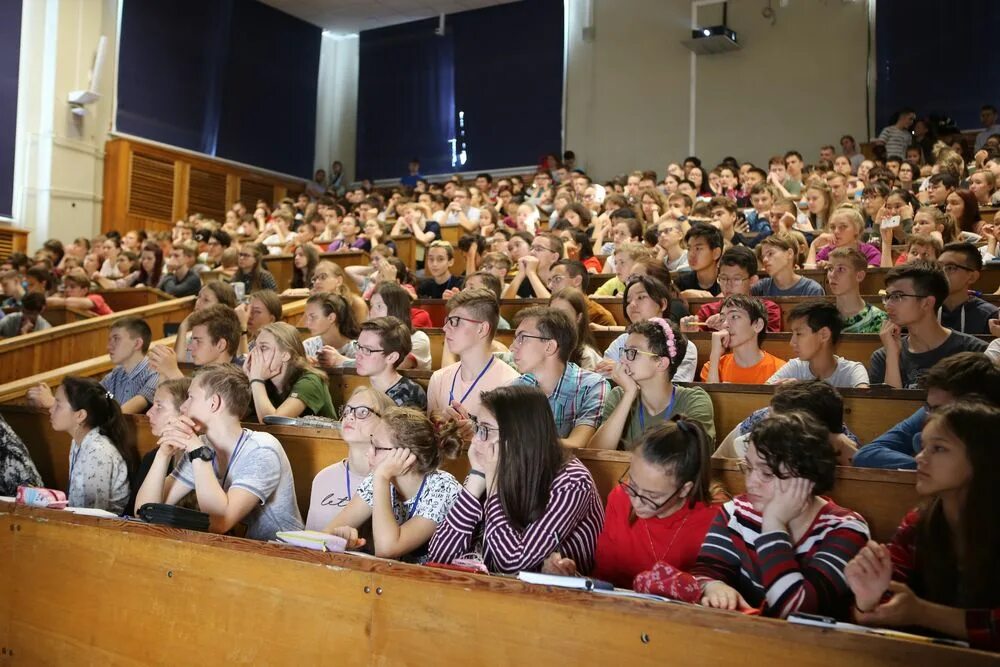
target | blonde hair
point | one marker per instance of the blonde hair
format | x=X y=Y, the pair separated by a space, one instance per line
x=381 y=400
x=851 y=213
x=335 y=269
x=634 y=251
x=287 y=339
x=429 y=442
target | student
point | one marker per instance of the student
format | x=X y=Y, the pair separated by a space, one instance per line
x=405 y=496
x=782 y=546
x=737 y=275
x=914 y=292
x=645 y=395
x=845 y=228
x=918 y=246
x=725 y=219
x=334 y=330
x=166 y=407
x=778 y=254
x=625 y=257
x=816 y=327
x=329 y=277
x=534 y=269
x=215 y=338
x=239 y=476
x=940 y=567
x=743 y=330
x=543 y=342
x=102 y=456
x=16 y=467
x=524 y=493
x=670 y=245
x=572 y=302
x=336 y=485
x=383 y=344
x=572 y=273
x=182 y=280
x=704 y=244
x=483 y=280
x=77 y=290
x=960 y=311
x=844 y=275
x=659 y=512
x=13 y=289
x=391 y=300
x=440 y=257
x=646 y=297
x=252 y=273
x=454 y=390
x=28 y=319
x=282 y=381
x=212 y=293
x=953 y=378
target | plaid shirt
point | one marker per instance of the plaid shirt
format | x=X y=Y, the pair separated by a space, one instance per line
x=124 y=386
x=578 y=399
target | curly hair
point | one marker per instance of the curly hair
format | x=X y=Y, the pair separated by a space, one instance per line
x=795 y=444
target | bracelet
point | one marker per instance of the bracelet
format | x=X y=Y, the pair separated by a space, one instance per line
x=258 y=380
x=477 y=473
x=244 y=332
x=860 y=610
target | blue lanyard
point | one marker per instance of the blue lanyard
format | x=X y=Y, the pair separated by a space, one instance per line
x=451 y=392
x=666 y=413
x=347 y=474
x=244 y=436
x=416 y=499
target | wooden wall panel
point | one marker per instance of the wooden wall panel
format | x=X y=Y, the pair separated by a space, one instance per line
x=207 y=194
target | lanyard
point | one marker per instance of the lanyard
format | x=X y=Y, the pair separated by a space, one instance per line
x=416 y=499
x=666 y=413
x=244 y=436
x=347 y=474
x=451 y=392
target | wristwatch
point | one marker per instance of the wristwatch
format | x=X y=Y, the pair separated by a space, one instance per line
x=203 y=453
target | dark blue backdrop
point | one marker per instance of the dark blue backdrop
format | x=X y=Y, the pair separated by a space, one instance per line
x=234 y=79
x=10 y=53
x=501 y=67
x=937 y=56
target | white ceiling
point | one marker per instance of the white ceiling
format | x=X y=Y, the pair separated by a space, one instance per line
x=343 y=17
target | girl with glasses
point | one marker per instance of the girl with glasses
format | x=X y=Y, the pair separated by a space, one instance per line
x=658 y=515
x=336 y=485
x=524 y=494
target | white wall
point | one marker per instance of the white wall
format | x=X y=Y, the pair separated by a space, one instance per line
x=798 y=84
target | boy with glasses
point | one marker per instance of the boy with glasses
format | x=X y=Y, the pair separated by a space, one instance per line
x=961 y=312
x=914 y=293
x=534 y=268
x=737 y=274
x=572 y=273
x=383 y=344
x=544 y=340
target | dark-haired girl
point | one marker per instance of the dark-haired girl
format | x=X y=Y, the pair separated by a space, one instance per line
x=523 y=494
x=660 y=510
x=781 y=547
x=940 y=567
x=330 y=319
x=102 y=455
x=645 y=394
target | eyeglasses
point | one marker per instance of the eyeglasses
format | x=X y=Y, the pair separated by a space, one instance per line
x=630 y=352
x=371 y=440
x=320 y=276
x=896 y=297
x=556 y=279
x=731 y=281
x=246 y=254
x=482 y=430
x=358 y=411
x=747 y=470
x=633 y=493
x=519 y=338
x=540 y=248
x=367 y=351
x=952 y=268
x=454 y=321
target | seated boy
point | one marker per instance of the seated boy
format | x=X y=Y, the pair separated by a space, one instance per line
x=961 y=311
x=670 y=245
x=77 y=291
x=13 y=290
x=572 y=273
x=183 y=280
x=914 y=293
x=238 y=475
x=725 y=219
x=762 y=197
x=815 y=328
x=215 y=337
x=437 y=265
x=952 y=378
x=744 y=322
x=737 y=274
x=918 y=246
x=383 y=344
x=28 y=319
x=625 y=257
x=704 y=244
x=844 y=274
x=496 y=263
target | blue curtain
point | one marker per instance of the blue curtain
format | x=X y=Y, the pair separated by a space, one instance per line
x=10 y=55
x=937 y=57
x=234 y=79
x=406 y=100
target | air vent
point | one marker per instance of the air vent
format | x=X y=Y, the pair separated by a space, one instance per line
x=151 y=188
x=207 y=194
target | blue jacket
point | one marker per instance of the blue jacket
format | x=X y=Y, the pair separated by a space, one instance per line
x=896 y=448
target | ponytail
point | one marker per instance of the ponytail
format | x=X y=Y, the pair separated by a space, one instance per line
x=103 y=413
x=681 y=445
x=429 y=441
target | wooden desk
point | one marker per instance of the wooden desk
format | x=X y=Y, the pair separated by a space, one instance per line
x=127 y=298
x=60 y=315
x=282 y=267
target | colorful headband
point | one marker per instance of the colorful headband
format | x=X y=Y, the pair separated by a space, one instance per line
x=668 y=333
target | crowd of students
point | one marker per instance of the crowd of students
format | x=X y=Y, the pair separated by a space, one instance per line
x=519 y=413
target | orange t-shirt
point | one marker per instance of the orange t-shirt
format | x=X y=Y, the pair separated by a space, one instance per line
x=759 y=373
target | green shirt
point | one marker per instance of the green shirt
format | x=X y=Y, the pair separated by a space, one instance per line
x=868 y=321
x=693 y=402
x=311 y=389
x=612 y=287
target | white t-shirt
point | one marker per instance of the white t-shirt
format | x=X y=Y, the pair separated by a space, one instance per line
x=685 y=371
x=421 y=350
x=847 y=374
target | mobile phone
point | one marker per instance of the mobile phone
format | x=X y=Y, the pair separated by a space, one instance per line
x=891 y=223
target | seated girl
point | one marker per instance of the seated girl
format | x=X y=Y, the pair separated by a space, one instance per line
x=659 y=512
x=645 y=395
x=281 y=379
x=781 y=547
x=102 y=456
x=335 y=485
x=572 y=302
x=939 y=572
x=391 y=300
x=918 y=247
x=405 y=496
x=330 y=277
x=930 y=221
x=304 y=261
x=350 y=237
x=524 y=494
x=334 y=330
x=844 y=230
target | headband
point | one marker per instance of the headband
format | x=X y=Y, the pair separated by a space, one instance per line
x=668 y=333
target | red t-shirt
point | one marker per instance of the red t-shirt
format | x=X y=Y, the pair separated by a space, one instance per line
x=624 y=550
x=101 y=306
x=420 y=319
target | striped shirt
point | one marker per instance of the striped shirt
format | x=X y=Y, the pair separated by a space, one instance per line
x=577 y=400
x=570 y=525
x=124 y=385
x=775 y=575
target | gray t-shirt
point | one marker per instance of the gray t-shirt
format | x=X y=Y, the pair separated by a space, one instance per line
x=847 y=374
x=10 y=325
x=260 y=467
x=804 y=287
x=914 y=365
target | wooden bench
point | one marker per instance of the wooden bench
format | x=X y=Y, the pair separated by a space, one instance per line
x=127 y=298
x=882 y=496
x=60 y=315
x=406 y=249
x=63 y=345
x=281 y=266
x=228 y=599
